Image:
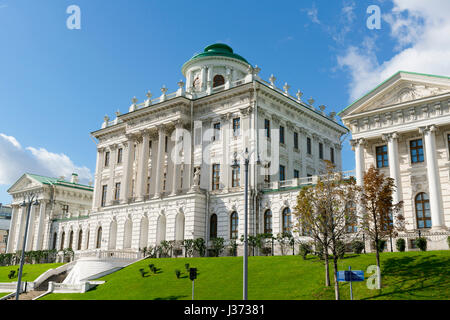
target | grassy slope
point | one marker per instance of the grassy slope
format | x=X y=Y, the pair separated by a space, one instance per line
x=408 y=275
x=29 y=273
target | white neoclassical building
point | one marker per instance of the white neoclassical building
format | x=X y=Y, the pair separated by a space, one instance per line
x=164 y=169
x=402 y=127
x=59 y=201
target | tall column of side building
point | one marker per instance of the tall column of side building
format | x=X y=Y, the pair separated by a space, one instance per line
x=160 y=161
x=31 y=228
x=112 y=169
x=225 y=136
x=437 y=221
x=394 y=165
x=40 y=228
x=143 y=166
x=98 y=179
x=358 y=146
x=20 y=228
x=176 y=157
x=127 y=167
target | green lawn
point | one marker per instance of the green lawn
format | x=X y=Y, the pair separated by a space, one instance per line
x=2 y=294
x=29 y=273
x=408 y=276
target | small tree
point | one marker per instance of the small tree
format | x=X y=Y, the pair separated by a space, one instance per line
x=401 y=244
x=218 y=244
x=232 y=247
x=188 y=245
x=322 y=210
x=304 y=249
x=200 y=246
x=379 y=216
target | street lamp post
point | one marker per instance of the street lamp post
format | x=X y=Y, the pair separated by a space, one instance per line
x=31 y=200
x=235 y=164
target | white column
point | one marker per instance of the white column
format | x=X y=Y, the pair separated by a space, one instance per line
x=20 y=227
x=98 y=179
x=225 y=136
x=160 y=161
x=127 y=167
x=437 y=221
x=394 y=164
x=143 y=167
x=209 y=82
x=112 y=169
x=40 y=227
x=13 y=229
x=358 y=147
x=203 y=78
x=176 y=157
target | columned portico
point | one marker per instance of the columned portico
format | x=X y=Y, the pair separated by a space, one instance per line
x=437 y=220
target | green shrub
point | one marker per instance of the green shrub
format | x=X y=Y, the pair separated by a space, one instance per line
x=421 y=243
x=340 y=249
x=266 y=250
x=200 y=246
x=401 y=245
x=357 y=246
x=218 y=244
x=381 y=245
x=448 y=241
x=318 y=250
x=304 y=249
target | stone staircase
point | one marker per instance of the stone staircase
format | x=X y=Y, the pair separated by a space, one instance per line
x=43 y=287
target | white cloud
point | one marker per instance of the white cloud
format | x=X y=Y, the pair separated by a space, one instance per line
x=16 y=160
x=313 y=14
x=420 y=30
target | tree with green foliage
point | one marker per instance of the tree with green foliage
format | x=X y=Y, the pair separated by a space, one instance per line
x=232 y=247
x=357 y=246
x=200 y=246
x=304 y=249
x=379 y=217
x=188 y=245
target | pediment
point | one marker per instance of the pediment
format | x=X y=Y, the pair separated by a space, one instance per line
x=403 y=87
x=24 y=183
x=405 y=92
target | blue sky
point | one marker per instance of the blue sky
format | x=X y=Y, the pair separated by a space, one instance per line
x=57 y=84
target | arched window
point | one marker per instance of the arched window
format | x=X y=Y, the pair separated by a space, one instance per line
x=234 y=223
x=287 y=222
x=80 y=238
x=99 y=238
x=218 y=80
x=268 y=221
x=213 y=227
x=70 y=239
x=350 y=219
x=423 y=213
x=63 y=235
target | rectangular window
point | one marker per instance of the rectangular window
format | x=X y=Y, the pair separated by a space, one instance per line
x=282 y=173
x=267 y=127
x=309 y=176
x=296 y=174
x=382 y=157
x=148 y=185
x=150 y=149
x=416 y=147
x=117 y=192
x=332 y=155
x=448 y=138
x=119 y=155
x=281 y=134
x=166 y=144
x=104 y=190
x=235 y=177
x=296 y=140
x=236 y=127
x=65 y=208
x=308 y=145
x=216 y=127
x=106 y=158
x=320 y=151
x=216 y=176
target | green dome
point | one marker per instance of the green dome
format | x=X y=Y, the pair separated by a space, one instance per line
x=219 y=49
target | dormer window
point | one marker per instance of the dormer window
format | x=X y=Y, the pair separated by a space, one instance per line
x=218 y=80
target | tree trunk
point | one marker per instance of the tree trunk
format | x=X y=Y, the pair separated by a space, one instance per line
x=336 y=283
x=327 y=271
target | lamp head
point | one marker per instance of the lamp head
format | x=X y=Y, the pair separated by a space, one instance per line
x=23 y=204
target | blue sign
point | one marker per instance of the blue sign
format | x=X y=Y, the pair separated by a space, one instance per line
x=354 y=276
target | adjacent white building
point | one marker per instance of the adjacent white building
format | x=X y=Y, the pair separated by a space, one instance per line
x=164 y=169
x=402 y=127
